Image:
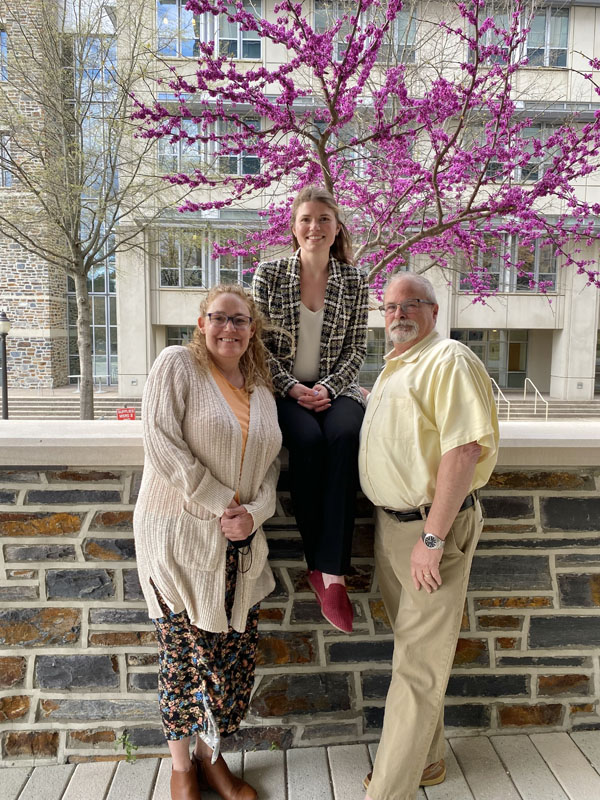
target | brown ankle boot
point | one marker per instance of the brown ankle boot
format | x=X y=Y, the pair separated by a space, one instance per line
x=184 y=785
x=218 y=777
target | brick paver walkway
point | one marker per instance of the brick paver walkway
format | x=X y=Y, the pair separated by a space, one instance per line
x=544 y=766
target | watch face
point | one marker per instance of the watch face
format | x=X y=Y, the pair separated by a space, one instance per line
x=430 y=540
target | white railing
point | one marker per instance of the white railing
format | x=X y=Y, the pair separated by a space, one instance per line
x=500 y=395
x=537 y=394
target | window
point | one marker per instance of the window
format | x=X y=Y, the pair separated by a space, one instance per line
x=183 y=155
x=486 y=260
x=187 y=154
x=327 y=12
x=501 y=253
x=242 y=163
x=498 y=11
x=235 y=42
x=181 y=32
x=234 y=269
x=5 y=173
x=400 y=44
x=180 y=259
x=101 y=284
x=179 y=334
x=540 y=155
x=374 y=357
x=96 y=62
x=534 y=169
x=548 y=36
x=538 y=266
x=503 y=352
x=3 y=54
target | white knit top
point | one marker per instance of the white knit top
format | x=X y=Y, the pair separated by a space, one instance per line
x=193 y=450
x=307 y=363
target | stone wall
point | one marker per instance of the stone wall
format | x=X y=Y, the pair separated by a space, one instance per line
x=78 y=656
x=32 y=291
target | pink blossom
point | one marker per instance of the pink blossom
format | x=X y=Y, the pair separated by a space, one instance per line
x=446 y=173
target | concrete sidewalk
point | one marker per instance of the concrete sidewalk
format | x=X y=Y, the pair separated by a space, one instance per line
x=544 y=766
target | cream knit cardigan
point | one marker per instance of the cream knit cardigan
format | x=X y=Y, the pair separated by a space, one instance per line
x=193 y=452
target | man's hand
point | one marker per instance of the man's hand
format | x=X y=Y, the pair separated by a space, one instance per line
x=315 y=399
x=236 y=522
x=425 y=567
x=454 y=477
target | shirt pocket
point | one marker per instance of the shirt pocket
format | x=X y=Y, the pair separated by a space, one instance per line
x=198 y=543
x=395 y=417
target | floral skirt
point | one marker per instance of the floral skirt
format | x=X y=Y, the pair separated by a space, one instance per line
x=205 y=679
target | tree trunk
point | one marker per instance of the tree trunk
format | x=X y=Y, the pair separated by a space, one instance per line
x=84 y=347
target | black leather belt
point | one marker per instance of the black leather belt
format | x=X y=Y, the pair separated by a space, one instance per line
x=415 y=513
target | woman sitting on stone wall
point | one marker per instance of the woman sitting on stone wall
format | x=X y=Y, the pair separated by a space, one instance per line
x=320 y=299
x=211 y=441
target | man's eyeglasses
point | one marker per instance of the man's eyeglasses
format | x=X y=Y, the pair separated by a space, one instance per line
x=240 y=321
x=408 y=308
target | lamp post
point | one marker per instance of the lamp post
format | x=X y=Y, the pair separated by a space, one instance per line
x=4 y=329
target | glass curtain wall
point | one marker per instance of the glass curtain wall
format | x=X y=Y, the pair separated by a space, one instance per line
x=94 y=60
x=504 y=353
x=103 y=301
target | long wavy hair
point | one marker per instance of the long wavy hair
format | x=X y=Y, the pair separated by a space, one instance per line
x=253 y=363
x=341 y=249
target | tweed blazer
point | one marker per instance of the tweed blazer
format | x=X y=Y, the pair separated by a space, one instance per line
x=193 y=455
x=276 y=290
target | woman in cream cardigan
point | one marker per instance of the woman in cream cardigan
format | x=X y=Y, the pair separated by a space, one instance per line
x=211 y=441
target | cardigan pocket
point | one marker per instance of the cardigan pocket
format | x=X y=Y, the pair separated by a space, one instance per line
x=253 y=562
x=198 y=543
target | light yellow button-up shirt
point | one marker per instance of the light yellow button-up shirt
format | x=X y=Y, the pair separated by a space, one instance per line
x=434 y=397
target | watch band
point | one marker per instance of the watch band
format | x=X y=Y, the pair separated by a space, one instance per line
x=432 y=541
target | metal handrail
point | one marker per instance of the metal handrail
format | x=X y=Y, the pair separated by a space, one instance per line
x=501 y=394
x=535 y=396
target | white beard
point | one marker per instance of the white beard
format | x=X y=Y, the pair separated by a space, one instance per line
x=402 y=332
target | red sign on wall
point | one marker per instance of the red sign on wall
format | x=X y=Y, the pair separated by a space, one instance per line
x=125 y=413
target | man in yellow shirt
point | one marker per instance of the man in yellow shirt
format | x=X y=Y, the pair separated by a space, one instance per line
x=429 y=440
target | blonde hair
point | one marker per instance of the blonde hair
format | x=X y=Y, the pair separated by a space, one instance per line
x=253 y=363
x=341 y=249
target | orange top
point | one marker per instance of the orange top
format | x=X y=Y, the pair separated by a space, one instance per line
x=239 y=402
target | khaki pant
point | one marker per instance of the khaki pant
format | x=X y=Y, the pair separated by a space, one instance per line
x=426 y=628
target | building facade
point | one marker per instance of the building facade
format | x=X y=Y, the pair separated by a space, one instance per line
x=32 y=292
x=149 y=298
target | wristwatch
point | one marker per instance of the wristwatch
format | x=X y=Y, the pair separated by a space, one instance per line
x=432 y=541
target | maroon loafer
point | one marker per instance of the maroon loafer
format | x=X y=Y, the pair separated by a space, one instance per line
x=337 y=608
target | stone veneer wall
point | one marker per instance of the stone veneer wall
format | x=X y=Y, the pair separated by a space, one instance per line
x=78 y=657
x=32 y=292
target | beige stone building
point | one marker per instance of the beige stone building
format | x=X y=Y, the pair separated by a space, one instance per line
x=149 y=298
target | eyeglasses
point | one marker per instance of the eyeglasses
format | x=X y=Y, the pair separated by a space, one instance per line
x=409 y=307
x=240 y=321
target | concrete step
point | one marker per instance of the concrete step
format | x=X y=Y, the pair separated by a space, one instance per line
x=67 y=407
x=557 y=409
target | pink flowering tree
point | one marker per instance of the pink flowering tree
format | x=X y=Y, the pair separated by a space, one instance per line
x=437 y=164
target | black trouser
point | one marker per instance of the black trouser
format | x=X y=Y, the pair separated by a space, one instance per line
x=323 y=450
